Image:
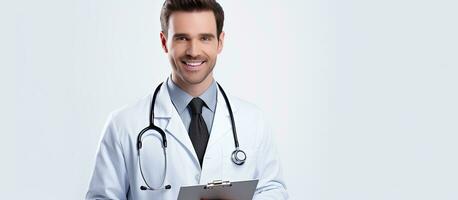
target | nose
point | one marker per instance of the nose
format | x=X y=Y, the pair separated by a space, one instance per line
x=193 y=49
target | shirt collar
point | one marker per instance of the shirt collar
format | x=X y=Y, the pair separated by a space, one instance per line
x=181 y=99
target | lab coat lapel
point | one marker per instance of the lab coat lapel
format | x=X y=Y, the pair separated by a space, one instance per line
x=173 y=125
x=221 y=122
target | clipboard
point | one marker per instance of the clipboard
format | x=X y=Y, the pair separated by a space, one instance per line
x=218 y=189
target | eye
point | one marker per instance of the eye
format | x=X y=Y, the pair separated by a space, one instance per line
x=182 y=38
x=205 y=38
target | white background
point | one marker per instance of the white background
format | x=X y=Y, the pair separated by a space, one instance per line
x=363 y=94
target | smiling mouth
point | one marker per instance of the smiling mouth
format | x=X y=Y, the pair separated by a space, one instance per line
x=194 y=63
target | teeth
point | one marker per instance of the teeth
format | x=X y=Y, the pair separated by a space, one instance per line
x=194 y=63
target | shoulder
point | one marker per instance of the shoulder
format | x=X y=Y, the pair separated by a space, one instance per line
x=248 y=113
x=130 y=113
x=244 y=107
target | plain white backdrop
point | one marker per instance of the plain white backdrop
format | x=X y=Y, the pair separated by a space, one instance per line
x=362 y=95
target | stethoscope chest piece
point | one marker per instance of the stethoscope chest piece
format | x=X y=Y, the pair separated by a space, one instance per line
x=238 y=156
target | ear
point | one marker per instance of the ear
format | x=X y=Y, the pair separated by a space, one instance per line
x=164 y=41
x=221 y=42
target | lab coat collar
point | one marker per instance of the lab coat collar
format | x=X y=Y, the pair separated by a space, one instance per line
x=167 y=117
x=164 y=109
x=221 y=121
x=163 y=106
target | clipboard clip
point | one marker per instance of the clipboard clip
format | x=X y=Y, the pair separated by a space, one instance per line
x=218 y=183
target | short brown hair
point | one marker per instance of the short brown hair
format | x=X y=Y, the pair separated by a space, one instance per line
x=170 y=6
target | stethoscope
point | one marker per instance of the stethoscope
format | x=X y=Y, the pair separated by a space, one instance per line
x=238 y=156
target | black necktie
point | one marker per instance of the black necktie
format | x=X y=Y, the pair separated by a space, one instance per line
x=198 y=131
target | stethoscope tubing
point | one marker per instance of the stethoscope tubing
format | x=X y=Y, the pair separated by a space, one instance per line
x=235 y=159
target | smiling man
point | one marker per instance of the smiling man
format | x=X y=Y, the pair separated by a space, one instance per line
x=192 y=42
x=194 y=133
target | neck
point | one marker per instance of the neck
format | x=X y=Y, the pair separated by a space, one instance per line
x=196 y=89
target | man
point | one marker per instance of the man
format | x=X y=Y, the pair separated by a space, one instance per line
x=195 y=118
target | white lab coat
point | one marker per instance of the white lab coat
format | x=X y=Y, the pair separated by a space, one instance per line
x=117 y=176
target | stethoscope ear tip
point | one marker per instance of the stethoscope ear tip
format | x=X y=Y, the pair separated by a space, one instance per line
x=167 y=187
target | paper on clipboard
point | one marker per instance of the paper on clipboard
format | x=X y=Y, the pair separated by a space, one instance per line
x=240 y=190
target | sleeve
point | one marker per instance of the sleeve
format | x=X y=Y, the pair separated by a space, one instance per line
x=109 y=178
x=271 y=184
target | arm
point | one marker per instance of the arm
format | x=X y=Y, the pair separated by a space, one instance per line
x=109 y=179
x=268 y=170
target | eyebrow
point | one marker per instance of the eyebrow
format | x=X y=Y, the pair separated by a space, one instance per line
x=210 y=35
